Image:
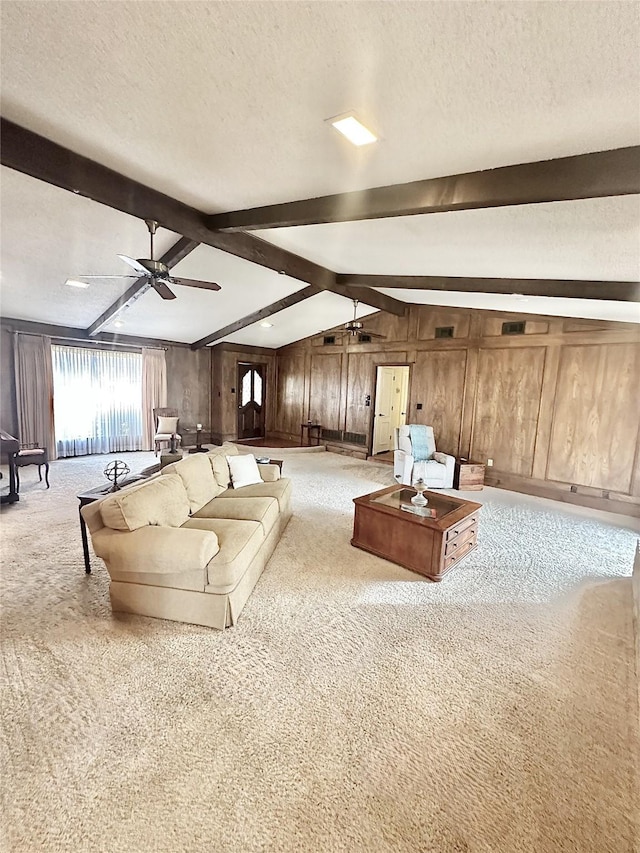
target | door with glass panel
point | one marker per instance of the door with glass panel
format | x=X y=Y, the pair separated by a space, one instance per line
x=251 y=391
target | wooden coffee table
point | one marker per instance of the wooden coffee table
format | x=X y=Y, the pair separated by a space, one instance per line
x=431 y=540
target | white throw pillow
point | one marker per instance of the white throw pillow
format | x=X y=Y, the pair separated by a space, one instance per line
x=166 y=426
x=244 y=471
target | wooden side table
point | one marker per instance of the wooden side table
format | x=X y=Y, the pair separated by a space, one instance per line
x=310 y=428
x=468 y=476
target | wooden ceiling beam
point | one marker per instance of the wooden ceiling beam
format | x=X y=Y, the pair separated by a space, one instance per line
x=250 y=319
x=596 y=175
x=71 y=333
x=171 y=258
x=38 y=157
x=616 y=291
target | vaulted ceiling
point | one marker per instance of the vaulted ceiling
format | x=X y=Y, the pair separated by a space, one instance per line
x=222 y=107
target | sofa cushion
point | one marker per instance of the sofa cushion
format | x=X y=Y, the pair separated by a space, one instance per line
x=219 y=465
x=197 y=477
x=239 y=543
x=280 y=490
x=244 y=470
x=264 y=510
x=162 y=501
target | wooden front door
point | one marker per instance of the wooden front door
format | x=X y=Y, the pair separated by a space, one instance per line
x=251 y=391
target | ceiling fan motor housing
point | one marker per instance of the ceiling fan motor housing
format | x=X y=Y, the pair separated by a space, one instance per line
x=156 y=268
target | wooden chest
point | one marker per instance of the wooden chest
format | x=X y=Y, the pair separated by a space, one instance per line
x=468 y=476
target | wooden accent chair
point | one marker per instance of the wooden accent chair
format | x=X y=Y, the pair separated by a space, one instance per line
x=166 y=421
x=32 y=454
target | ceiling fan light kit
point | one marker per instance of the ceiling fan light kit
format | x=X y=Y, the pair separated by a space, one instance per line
x=157 y=273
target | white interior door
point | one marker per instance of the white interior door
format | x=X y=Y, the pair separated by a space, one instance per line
x=400 y=397
x=383 y=412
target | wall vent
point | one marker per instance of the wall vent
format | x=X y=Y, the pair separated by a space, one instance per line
x=513 y=328
x=329 y=339
x=354 y=438
x=444 y=331
x=332 y=434
x=365 y=339
x=343 y=435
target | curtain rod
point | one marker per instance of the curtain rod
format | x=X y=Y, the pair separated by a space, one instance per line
x=96 y=344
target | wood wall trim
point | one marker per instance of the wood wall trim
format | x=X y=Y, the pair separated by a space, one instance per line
x=594 y=175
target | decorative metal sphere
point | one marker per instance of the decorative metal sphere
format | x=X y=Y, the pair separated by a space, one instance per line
x=115 y=471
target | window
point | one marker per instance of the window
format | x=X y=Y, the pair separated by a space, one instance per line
x=97 y=400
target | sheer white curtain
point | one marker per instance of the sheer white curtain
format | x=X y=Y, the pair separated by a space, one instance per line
x=97 y=400
x=154 y=390
x=34 y=390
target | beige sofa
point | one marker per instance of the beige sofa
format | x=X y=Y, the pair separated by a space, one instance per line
x=184 y=544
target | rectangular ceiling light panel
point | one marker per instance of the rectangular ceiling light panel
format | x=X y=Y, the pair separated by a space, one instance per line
x=354 y=130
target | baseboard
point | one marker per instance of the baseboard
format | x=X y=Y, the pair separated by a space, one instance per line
x=583 y=496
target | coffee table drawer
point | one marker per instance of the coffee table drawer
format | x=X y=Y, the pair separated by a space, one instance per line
x=455 y=545
x=459 y=553
x=459 y=528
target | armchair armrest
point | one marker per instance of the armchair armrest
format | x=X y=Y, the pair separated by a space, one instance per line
x=402 y=466
x=450 y=462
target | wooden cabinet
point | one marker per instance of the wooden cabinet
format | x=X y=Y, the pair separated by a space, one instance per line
x=468 y=476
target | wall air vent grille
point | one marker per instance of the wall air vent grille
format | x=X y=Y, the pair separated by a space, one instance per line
x=344 y=436
x=364 y=339
x=513 y=328
x=332 y=434
x=328 y=340
x=355 y=438
x=444 y=332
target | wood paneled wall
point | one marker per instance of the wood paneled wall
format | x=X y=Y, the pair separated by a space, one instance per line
x=557 y=408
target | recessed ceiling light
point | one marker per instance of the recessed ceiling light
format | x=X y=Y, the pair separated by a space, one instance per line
x=73 y=282
x=266 y=325
x=349 y=126
x=118 y=324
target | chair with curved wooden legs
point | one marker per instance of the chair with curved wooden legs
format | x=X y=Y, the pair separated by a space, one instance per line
x=32 y=454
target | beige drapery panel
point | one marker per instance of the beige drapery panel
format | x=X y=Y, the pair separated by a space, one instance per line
x=34 y=390
x=154 y=390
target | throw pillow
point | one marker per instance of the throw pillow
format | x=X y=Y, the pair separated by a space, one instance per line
x=167 y=426
x=244 y=471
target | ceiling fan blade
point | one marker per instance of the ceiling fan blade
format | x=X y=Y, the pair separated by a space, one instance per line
x=137 y=266
x=371 y=334
x=192 y=282
x=162 y=289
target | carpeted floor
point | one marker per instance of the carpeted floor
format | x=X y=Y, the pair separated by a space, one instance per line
x=355 y=707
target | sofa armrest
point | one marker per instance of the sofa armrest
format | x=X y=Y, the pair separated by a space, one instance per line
x=269 y=473
x=161 y=550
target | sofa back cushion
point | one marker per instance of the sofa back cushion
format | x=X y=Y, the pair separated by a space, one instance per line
x=162 y=501
x=197 y=477
x=219 y=465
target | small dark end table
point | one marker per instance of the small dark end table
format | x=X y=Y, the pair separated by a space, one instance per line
x=310 y=428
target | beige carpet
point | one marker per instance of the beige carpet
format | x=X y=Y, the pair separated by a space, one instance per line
x=355 y=707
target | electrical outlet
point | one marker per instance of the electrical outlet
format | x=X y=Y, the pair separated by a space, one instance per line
x=489 y=463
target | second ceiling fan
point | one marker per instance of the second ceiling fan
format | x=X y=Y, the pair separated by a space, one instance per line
x=158 y=273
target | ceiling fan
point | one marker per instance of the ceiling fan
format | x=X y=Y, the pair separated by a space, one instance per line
x=157 y=273
x=356 y=327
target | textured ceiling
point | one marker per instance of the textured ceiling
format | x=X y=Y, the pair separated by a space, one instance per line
x=222 y=105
